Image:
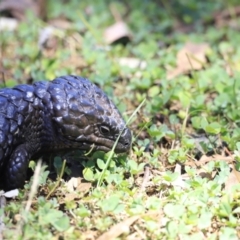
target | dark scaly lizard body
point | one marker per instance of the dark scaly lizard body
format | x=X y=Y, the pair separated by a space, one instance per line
x=68 y=113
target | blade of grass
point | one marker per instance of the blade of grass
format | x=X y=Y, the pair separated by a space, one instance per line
x=115 y=144
x=58 y=180
x=88 y=26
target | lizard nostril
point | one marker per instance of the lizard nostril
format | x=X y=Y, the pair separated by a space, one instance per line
x=128 y=138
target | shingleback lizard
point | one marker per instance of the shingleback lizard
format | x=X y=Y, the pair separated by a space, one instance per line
x=65 y=114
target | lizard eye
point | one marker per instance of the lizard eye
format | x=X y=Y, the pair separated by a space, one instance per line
x=104 y=130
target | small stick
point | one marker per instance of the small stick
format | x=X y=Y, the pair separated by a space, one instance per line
x=145 y=177
x=34 y=185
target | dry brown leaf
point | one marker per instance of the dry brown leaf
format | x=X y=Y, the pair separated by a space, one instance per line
x=233 y=179
x=203 y=174
x=61 y=23
x=18 y=8
x=132 y=63
x=69 y=197
x=205 y=159
x=117 y=32
x=84 y=186
x=236 y=173
x=90 y=235
x=72 y=183
x=119 y=229
x=79 y=184
x=77 y=189
x=225 y=17
x=191 y=57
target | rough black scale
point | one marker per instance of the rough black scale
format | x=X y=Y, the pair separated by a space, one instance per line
x=65 y=114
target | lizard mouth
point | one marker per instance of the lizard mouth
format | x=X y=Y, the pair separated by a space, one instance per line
x=120 y=148
x=99 y=142
x=106 y=144
x=123 y=145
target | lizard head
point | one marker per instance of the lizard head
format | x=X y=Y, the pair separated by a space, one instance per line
x=85 y=117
